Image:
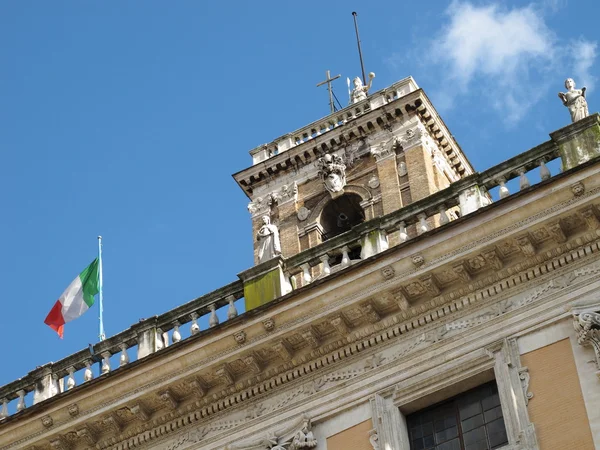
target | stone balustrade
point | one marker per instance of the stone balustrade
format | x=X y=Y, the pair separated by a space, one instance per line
x=332 y=121
x=140 y=340
x=272 y=279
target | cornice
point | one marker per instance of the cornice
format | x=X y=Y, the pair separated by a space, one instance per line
x=580 y=248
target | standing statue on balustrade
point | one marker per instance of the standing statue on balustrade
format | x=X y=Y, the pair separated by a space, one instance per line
x=574 y=99
x=269 y=245
x=359 y=92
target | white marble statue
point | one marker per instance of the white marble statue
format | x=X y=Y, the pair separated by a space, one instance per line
x=574 y=99
x=269 y=245
x=359 y=92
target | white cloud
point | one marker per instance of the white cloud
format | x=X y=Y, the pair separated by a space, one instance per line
x=584 y=54
x=510 y=53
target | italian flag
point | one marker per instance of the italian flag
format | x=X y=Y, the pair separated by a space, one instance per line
x=76 y=299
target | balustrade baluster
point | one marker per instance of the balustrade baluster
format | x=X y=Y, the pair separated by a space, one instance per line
x=231 y=311
x=88 y=374
x=326 y=268
x=523 y=181
x=423 y=226
x=444 y=219
x=544 y=171
x=21 y=403
x=213 y=320
x=402 y=232
x=503 y=191
x=306 y=273
x=345 y=257
x=105 y=362
x=194 y=329
x=158 y=340
x=71 y=378
x=176 y=336
x=124 y=357
x=4 y=410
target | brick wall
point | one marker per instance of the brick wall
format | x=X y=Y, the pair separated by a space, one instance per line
x=557 y=409
x=353 y=438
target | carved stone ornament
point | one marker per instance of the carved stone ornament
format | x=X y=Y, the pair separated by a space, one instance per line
x=269 y=324
x=374 y=439
x=402 y=170
x=388 y=272
x=332 y=172
x=411 y=137
x=384 y=150
x=303 y=213
x=262 y=205
x=73 y=409
x=47 y=421
x=587 y=326
x=373 y=182
x=240 y=337
x=418 y=260
x=524 y=377
x=296 y=436
x=578 y=189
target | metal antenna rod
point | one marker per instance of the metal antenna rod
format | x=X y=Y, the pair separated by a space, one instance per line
x=362 y=65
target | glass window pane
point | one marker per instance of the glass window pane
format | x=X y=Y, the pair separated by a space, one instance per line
x=450 y=445
x=491 y=401
x=469 y=408
x=445 y=435
x=493 y=414
x=475 y=439
x=417 y=444
x=427 y=429
x=428 y=442
x=471 y=423
x=416 y=432
x=497 y=433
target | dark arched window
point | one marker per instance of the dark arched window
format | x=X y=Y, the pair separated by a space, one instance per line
x=341 y=214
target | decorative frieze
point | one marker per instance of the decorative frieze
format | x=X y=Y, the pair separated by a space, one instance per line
x=169 y=398
x=526 y=245
x=225 y=375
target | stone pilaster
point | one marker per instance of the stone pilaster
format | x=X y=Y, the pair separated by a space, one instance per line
x=578 y=142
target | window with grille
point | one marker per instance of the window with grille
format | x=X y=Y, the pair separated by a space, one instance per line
x=470 y=421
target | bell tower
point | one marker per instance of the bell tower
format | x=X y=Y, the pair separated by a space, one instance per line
x=367 y=160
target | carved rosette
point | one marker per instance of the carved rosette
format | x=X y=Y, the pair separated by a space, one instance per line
x=587 y=326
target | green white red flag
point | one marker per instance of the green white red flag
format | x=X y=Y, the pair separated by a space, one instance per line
x=76 y=299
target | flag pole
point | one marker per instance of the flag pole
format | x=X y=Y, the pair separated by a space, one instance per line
x=101 y=334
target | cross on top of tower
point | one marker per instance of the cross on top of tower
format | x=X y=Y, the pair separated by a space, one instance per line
x=328 y=81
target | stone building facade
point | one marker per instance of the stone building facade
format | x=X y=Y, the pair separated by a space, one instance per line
x=407 y=310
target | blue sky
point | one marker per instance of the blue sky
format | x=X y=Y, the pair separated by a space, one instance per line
x=127 y=119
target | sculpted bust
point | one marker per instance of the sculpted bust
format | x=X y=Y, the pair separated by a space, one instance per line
x=269 y=245
x=574 y=99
